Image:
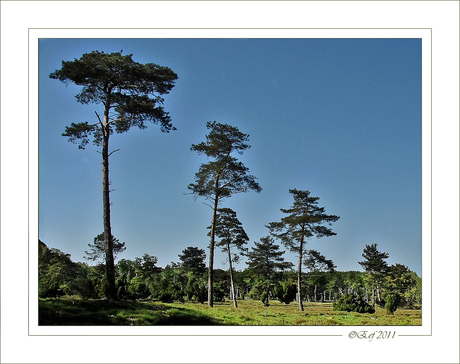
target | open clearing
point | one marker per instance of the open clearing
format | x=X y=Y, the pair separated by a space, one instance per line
x=68 y=311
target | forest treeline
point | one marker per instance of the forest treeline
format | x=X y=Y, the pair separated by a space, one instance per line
x=186 y=280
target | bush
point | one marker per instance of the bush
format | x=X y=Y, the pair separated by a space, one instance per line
x=196 y=289
x=166 y=291
x=201 y=293
x=218 y=293
x=286 y=292
x=190 y=288
x=264 y=298
x=391 y=301
x=254 y=293
x=137 y=288
x=352 y=303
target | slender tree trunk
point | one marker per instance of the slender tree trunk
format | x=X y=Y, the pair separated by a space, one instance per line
x=299 y=277
x=232 y=286
x=268 y=295
x=108 y=243
x=211 y=253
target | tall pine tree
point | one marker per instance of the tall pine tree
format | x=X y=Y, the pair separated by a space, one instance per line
x=304 y=220
x=266 y=260
x=376 y=266
x=221 y=177
x=130 y=94
x=232 y=235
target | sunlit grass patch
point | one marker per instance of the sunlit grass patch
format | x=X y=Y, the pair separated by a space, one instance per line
x=253 y=313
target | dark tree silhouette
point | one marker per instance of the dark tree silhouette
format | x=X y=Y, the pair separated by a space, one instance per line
x=193 y=258
x=221 y=177
x=130 y=94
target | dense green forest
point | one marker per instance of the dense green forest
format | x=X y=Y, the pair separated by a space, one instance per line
x=186 y=280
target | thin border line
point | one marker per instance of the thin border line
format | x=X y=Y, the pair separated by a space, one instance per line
x=194 y=335
x=223 y=1
x=236 y=28
x=431 y=190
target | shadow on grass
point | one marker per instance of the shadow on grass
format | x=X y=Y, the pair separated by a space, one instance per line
x=124 y=313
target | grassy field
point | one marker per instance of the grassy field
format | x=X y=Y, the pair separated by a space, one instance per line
x=67 y=311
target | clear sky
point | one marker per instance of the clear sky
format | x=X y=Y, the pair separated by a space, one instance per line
x=338 y=117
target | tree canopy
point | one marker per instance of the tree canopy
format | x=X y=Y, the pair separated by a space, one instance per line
x=231 y=233
x=266 y=257
x=130 y=88
x=224 y=175
x=97 y=250
x=374 y=260
x=316 y=262
x=193 y=258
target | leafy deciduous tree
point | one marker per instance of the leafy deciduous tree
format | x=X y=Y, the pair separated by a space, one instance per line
x=130 y=93
x=57 y=272
x=136 y=276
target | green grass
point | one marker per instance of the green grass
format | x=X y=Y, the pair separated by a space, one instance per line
x=68 y=311
x=100 y=312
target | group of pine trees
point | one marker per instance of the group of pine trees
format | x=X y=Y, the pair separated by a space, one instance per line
x=131 y=94
x=267 y=276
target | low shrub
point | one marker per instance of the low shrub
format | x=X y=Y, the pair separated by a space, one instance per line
x=264 y=298
x=352 y=303
x=391 y=302
x=218 y=293
x=201 y=293
x=196 y=289
x=286 y=292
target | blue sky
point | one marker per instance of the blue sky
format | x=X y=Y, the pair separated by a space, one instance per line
x=338 y=117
